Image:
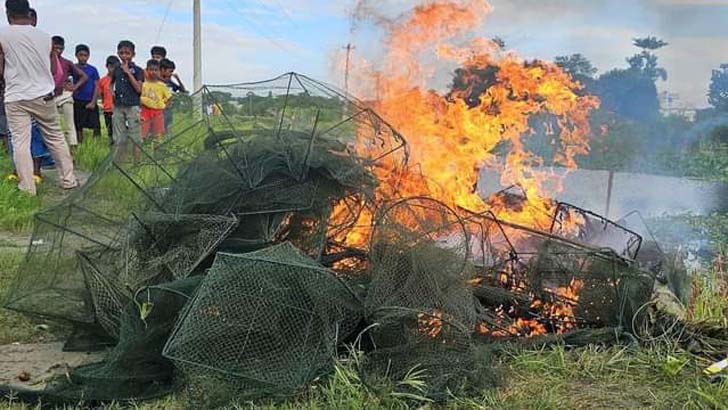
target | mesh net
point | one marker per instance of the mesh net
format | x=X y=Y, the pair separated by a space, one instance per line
x=263 y=323
x=134 y=369
x=556 y=285
x=419 y=301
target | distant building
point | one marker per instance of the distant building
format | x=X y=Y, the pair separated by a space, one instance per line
x=670 y=105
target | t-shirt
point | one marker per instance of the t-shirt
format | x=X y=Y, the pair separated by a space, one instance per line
x=27 y=63
x=86 y=92
x=63 y=71
x=155 y=95
x=172 y=86
x=124 y=94
x=106 y=93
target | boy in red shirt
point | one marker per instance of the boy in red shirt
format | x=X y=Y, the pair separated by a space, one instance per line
x=106 y=93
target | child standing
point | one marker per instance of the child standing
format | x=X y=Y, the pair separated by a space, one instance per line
x=107 y=95
x=127 y=82
x=63 y=71
x=85 y=107
x=155 y=95
x=175 y=85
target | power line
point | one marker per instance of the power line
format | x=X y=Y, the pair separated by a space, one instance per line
x=164 y=20
x=260 y=29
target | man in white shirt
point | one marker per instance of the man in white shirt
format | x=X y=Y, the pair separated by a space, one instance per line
x=25 y=63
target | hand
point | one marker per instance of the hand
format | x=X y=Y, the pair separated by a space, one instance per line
x=125 y=67
x=91 y=105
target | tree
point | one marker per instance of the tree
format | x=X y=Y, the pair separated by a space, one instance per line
x=645 y=62
x=718 y=93
x=578 y=67
x=629 y=94
x=649 y=43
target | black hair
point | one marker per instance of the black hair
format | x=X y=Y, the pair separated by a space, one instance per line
x=17 y=8
x=58 y=40
x=152 y=63
x=167 y=64
x=82 y=47
x=112 y=60
x=160 y=51
x=32 y=13
x=126 y=44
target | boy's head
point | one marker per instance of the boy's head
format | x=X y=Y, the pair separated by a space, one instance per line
x=59 y=44
x=17 y=10
x=153 y=70
x=111 y=63
x=126 y=51
x=166 y=68
x=82 y=53
x=159 y=53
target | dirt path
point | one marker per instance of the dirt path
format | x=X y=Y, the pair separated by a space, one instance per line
x=30 y=366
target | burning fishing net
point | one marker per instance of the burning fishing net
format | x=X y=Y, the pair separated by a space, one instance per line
x=235 y=258
x=235 y=262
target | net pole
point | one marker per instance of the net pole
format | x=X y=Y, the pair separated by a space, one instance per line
x=197 y=46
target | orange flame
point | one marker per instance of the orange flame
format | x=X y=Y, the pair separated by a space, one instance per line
x=452 y=135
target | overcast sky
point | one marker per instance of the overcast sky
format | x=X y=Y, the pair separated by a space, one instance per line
x=247 y=40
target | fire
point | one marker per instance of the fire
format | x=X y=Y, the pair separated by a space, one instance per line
x=485 y=122
x=430 y=324
x=560 y=314
x=489 y=117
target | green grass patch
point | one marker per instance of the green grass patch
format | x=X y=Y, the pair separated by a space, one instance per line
x=709 y=299
x=14 y=327
x=18 y=207
x=91 y=153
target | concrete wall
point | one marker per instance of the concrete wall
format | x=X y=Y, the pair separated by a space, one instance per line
x=652 y=195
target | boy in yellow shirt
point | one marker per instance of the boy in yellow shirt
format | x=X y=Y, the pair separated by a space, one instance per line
x=155 y=95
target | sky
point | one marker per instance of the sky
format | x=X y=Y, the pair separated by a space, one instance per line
x=250 y=40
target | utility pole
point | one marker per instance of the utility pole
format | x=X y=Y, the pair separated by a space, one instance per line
x=197 y=46
x=349 y=48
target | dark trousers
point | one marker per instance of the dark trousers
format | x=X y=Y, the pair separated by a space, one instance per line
x=108 y=120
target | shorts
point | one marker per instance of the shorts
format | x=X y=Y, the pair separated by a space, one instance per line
x=85 y=118
x=152 y=122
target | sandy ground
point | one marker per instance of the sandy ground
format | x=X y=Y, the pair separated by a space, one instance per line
x=38 y=363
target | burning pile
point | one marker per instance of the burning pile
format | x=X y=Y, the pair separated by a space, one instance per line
x=236 y=261
x=236 y=257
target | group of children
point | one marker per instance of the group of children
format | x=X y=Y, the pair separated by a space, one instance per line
x=136 y=102
x=126 y=88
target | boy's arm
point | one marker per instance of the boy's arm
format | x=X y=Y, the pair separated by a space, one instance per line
x=82 y=78
x=135 y=83
x=182 y=87
x=94 y=99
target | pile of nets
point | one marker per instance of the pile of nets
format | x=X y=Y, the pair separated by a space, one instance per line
x=219 y=262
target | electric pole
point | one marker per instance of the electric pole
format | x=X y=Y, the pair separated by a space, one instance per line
x=349 y=48
x=197 y=46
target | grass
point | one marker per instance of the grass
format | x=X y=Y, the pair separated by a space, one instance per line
x=709 y=298
x=554 y=378
x=19 y=208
